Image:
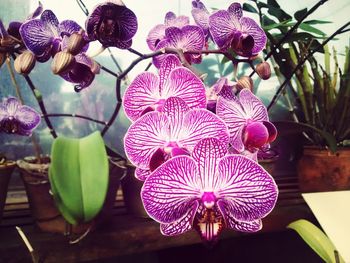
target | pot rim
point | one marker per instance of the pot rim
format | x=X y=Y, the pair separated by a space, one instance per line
x=321 y=151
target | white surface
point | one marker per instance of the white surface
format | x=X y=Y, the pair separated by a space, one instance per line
x=332 y=210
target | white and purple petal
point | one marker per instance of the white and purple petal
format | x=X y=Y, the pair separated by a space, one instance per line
x=143 y=92
x=68 y=27
x=250 y=27
x=235 y=9
x=175 y=109
x=144 y=137
x=156 y=35
x=142 y=174
x=222 y=28
x=28 y=119
x=246 y=190
x=253 y=107
x=51 y=21
x=200 y=15
x=170 y=62
x=192 y=39
x=172 y=190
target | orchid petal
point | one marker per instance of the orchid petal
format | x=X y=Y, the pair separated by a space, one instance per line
x=245 y=188
x=199 y=124
x=253 y=29
x=221 y=28
x=255 y=135
x=169 y=16
x=3 y=112
x=141 y=93
x=156 y=35
x=184 y=84
x=142 y=174
x=234 y=116
x=200 y=15
x=157 y=159
x=253 y=107
x=172 y=20
x=192 y=38
x=170 y=62
x=207 y=154
x=272 y=131
x=144 y=137
x=29 y=118
x=158 y=60
x=231 y=222
x=175 y=109
x=123 y=44
x=182 y=225
x=51 y=21
x=68 y=27
x=11 y=104
x=172 y=190
x=235 y=9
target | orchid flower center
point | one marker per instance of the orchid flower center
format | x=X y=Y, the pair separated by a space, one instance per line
x=208 y=199
x=170 y=146
x=158 y=106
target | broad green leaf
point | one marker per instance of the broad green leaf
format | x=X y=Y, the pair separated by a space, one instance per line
x=79 y=176
x=284 y=24
x=298 y=15
x=273 y=3
x=249 y=8
x=278 y=12
x=308 y=28
x=316 y=239
x=266 y=21
x=290 y=127
x=315 y=22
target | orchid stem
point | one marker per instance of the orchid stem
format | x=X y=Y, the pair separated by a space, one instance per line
x=114 y=60
x=108 y=71
x=135 y=52
x=73 y=116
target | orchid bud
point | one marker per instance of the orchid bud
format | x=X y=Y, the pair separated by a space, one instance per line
x=7 y=42
x=245 y=82
x=62 y=62
x=25 y=62
x=264 y=70
x=75 y=43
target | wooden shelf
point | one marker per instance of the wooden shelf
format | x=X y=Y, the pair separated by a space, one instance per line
x=127 y=234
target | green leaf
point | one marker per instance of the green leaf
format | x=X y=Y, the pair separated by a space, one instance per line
x=249 y=8
x=290 y=127
x=316 y=239
x=284 y=24
x=300 y=14
x=273 y=3
x=308 y=28
x=79 y=176
x=278 y=12
x=266 y=21
x=315 y=22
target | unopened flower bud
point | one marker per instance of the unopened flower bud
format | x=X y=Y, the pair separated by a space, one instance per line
x=245 y=82
x=95 y=68
x=264 y=70
x=62 y=62
x=25 y=62
x=75 y=43
x=7 y=42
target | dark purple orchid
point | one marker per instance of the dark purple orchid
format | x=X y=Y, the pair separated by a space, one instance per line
x=247 y=120
x=113 y=24
x=230 y=29
x=158 y=136
x=157 y=33
x=209 y=191
x=43 y=36
x=224 y=88
x=16 y=118
x=201 y=16
x=188 y=38
x=148 y=91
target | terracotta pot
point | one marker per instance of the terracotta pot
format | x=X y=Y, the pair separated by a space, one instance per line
x=269 y=165
x=319 y=170
x=6 y=170
x=132 y=193
x=42 y=204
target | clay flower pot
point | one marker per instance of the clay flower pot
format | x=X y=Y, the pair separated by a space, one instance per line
x=6 y=169
x=319 y=170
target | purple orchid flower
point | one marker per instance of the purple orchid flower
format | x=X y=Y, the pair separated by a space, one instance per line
x=201 y=16
x=158 y=136
x=16 y=118
x=43 y=36
x=209 y=191
x=148 y=91
x=247 y=121
x=224 y=88
x=157 y=33
x=230 y=29
x=188 y=38
x=113 y=24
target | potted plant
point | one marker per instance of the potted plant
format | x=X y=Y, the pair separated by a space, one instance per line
x=6 y=169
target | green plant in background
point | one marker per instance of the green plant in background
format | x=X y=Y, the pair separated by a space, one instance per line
x=322 y=94
x=79 y=176
x=317 y=240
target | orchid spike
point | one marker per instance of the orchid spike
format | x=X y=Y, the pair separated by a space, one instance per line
x=247 y=121
x=230 y=29
x=148 y=91
x=112 y=24
x=208 y=192
x=159 y=136
x=16 y=118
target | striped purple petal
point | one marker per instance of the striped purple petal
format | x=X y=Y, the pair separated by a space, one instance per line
x=255 y=135
x=207 y=154
x=187 y=38
x=158 y=60
x=142 y=174
x=246 y=190
x=144 y=137
x=171 y=20
x=142 y=93
x=68 y=27
x=235 y=10
x=175 y=109
x=250 y=27
x=182 y=225
x=170 y=62
x=172 y=190
x=156 y=35
x=253 y=107
x=199 y=124
x=222 y=28
x=200 y=15
x=184 y=84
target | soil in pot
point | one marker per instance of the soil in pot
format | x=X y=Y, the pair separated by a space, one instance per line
x=319 y=170
x=6 y=169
